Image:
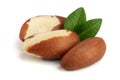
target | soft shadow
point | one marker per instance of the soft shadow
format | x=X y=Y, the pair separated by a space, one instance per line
x=26 y=57
x=30 y=58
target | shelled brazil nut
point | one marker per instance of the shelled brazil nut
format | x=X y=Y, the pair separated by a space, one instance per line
x=39 y=24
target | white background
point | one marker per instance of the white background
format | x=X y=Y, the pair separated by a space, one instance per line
x=16 y=65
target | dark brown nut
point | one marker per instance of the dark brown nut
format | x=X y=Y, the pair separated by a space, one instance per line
x=84 y=54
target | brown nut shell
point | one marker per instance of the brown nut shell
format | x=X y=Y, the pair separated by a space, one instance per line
x=84 y=54
x=41 y=24
x=51 y=45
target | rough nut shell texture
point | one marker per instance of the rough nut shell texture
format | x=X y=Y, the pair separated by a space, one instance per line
x=51 y=45
x=84 y=54
x=41 y=24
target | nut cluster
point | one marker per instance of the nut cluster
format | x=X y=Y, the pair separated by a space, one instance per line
x=44 y=36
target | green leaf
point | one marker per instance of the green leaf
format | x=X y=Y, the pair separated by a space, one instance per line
x=90 y=28
x=75 y=19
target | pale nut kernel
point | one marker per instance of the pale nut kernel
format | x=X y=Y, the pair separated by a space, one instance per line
x=40 y=24
x=52 y=44
x=85 y=53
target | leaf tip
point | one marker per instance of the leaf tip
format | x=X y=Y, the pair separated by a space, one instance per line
x=99 y=19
